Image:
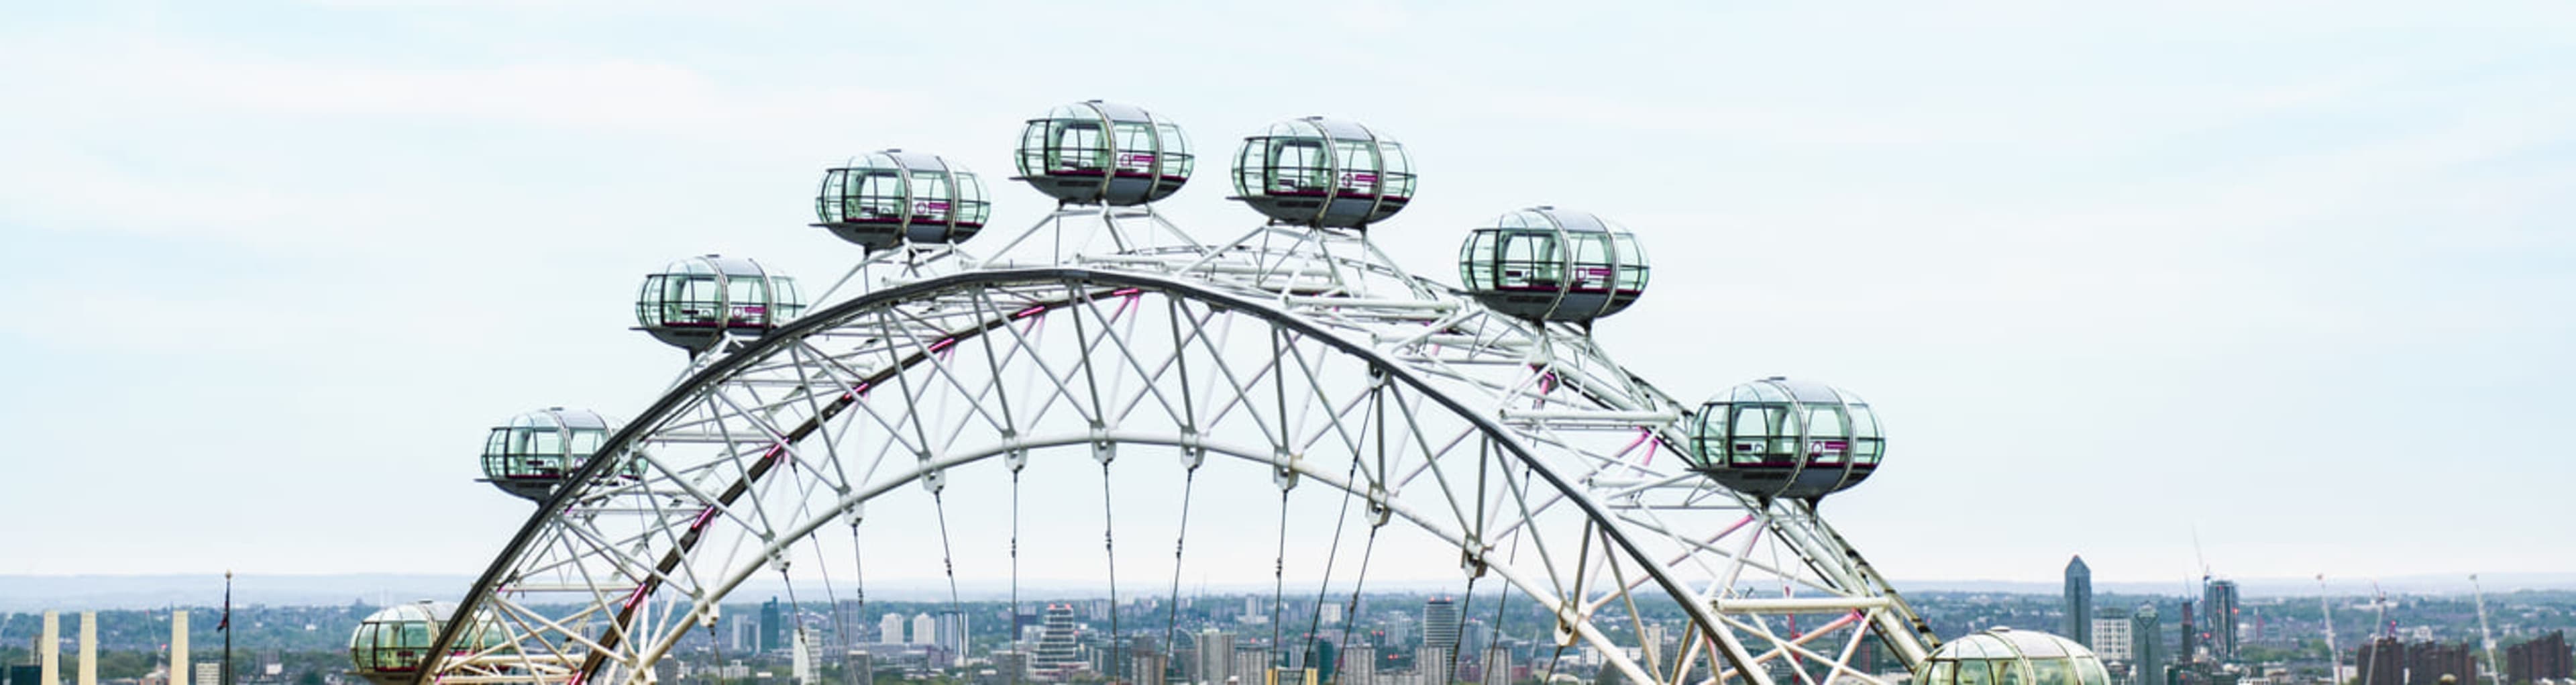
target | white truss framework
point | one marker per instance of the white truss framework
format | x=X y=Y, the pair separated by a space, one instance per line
x=1303 y=357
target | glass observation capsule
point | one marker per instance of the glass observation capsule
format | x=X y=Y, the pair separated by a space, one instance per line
x=888 y=197
x=1323 y=172
x=1778 y=437
x=388 y=646
x=693 y=303
x=1549 y=264
x=1095 y=152
x=2003 y=656
x=538 y=450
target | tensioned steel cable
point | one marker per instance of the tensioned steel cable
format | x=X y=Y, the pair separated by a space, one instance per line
x=1316 y=624
x=1279 y=575
x=1172 y=616
x=1013 y=632
x=1109 y=546
x=947 y=558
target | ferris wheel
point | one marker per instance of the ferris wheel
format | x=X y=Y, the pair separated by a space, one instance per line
x=1107 y=406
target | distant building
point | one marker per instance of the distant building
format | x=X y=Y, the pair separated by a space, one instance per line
x=925 y=630
x=1497 y=668
x=1251 y=665
x=1292 y=676
x=2218 y=609
x=801 y=663
x=2112 y=638
x=2079 y=602
x=1439 y=632
x=2188 y=651
x=951 y=635
x=890 y=629
x=1146 y=665
x=1215 y=652
x=1056 y=656
x=1359 y=666
x=2534 y=660
x=2146 y=647
x=210 y=673
x=1436 y=665
x=773 y=626
x=2387 y=661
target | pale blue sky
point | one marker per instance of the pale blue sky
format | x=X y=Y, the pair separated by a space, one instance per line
x=2299 y=275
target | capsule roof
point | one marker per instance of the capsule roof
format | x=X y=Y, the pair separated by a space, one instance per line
x=1096 y=152
x=1779 y=437
x=891 y=196
x=1326 y=173
x=2003 y=656
x=416 y=612
x=695 y=303
x=1549 y=264
x=538 y=451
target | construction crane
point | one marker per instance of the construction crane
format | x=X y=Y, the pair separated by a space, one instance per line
x=2334 y=658
x=2379 y=599
x=2486 y=637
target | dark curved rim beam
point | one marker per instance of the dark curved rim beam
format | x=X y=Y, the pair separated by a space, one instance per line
x=838 y=314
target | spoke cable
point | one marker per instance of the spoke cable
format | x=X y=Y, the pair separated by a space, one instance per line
x=1506 y=595
x=1279 y=576
x=1332 y=553
x=947 y=558
x=1172 y=615
x=1109 y=546
x=1012 y=633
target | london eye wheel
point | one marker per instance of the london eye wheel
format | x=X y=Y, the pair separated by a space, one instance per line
x=1110 y=409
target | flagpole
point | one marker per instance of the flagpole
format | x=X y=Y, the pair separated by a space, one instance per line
x=228 y=627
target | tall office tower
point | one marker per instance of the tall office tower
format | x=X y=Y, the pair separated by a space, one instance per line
x=50 y=651
x=742 y=634
x=1651 y=639
x=851 y=617
x=1358 y=667
x=1474 y=637
x=1440 y=622
x=179 y=647
x=1439 y=631
x=890 y=629
x=1497 y=666
x=925 y=630
x=2146 y=646
x=1057 y=655
x=773 y=627
x=2079 y=602
x=1330 y=613
x=2187 y=652
x=951 y=637
x=1216 y=657
x=89 y=648
x=2218 y=610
